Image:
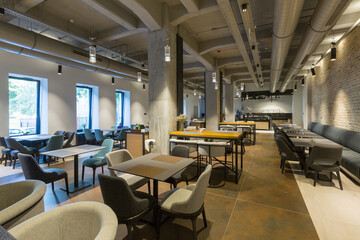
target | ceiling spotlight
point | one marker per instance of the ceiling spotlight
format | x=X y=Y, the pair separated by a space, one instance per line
x=113 y=81
x=139 y=76
x=313 y=70
x=92 y=54
x=142 y=65
x=167 y=53
x=59 y=69
x=214 y=77
x=333 y=51
x=303 y=82
x=244 y=7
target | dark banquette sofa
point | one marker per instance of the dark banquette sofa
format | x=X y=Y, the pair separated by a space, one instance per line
x=350 y=139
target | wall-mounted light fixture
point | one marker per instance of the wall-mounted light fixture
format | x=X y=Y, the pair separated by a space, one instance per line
x=333 y=51
x=139 y=76
x=213 y=77
x=59 y=70
x=113 y=81
x=313 y=70
x=92 y=54
x=167 y=52
x=303 y=81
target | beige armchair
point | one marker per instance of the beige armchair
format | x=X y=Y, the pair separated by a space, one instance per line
x=20 y=201
x=80 y=221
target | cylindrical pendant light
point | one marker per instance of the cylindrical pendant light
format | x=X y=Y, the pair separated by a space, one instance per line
x=333 y=51
x=303 y=82
x=214 y=77
x=92 y=54
x=113 y=81
x=313 y=70
x=139 y=76
x=167 y=53
x=59 y=70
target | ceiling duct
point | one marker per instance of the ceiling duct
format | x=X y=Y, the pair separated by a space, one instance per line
x=286 y=18
x=326 y=14
x=27 y=39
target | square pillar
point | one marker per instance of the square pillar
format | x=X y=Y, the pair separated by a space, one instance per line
x=212 y=98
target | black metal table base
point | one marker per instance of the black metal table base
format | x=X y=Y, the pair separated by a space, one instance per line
x=73 y=188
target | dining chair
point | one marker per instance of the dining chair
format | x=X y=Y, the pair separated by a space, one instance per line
x=59 y=133
x=121 y=137
x=5 y=153
x=287 y=153
x=128 y=205
x=99 y=136
x=186 y=203
x=325 y=158
x=18 y=148
x=56 y=142
x=111 y=133
x=70 y=137
x=32 y=170
x=120 y=156
x=99 y=159
x=89 y=137
x=179 y=151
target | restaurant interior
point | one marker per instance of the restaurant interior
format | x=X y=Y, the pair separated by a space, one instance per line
x=179 y=119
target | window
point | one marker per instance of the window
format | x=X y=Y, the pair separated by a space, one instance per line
x=83 y=107
x=119 y=108
x=24 y=105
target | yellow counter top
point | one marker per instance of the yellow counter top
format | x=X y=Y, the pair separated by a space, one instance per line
x=237 y=123
x=208 y=134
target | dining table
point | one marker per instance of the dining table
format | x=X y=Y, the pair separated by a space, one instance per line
x=251 y=125
x=33 y=140
x=74 y=152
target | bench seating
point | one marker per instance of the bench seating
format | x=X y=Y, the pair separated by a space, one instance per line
x=349 y=139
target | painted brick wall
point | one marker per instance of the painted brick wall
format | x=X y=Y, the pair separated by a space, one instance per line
x=336 y=86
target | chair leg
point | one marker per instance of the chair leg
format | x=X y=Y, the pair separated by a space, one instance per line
x=102 y=169
x=204 y=217
x=52 y=186
x=94 y=170
x=67 y=185
x=2 y=158
x=315 y=176
x=340 y=183
x=194 y=228
x=82 y=174
x=14 y=163
x=149 y=189
x=129 y=229
x=283 y=166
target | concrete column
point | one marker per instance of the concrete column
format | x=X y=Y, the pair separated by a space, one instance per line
x=212 y=98
x=229 y=102
x=162 y=84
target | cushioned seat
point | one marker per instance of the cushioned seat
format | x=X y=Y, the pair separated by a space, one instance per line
x=133 y=181
x=94 y=161
x=351 y=162
x=54 y=174
x=174 y=196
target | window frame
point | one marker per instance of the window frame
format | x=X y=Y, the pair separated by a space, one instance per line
x=122 y=95
x=90 y=105
x=38 y=117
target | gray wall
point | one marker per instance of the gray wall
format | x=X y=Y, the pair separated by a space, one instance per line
x=61 y=92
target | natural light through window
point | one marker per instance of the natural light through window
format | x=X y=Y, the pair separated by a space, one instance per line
x=119 y=108
x=24 y=106
x=83 y=107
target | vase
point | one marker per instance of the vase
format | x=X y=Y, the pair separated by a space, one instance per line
x=181 y=125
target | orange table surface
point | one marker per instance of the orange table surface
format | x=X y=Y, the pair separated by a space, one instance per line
x=208 y=134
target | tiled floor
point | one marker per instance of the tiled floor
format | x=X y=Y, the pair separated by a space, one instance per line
x=264 y=205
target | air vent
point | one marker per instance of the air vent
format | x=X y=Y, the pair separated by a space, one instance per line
x=341 y=7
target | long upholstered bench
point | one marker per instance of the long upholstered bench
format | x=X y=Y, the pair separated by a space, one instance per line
x=350 y=139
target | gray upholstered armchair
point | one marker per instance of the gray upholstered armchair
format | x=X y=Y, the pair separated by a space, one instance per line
x=81 y=221
x=20 y=201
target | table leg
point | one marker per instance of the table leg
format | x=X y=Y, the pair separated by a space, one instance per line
x=156 y=208
x=236 y=161
x=76 y=186
x=254 y=131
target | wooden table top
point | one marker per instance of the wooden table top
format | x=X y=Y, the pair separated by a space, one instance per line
x=237 y=123
x=154 y=166
x=208 y=134
x=34 y=137
x=72 y=151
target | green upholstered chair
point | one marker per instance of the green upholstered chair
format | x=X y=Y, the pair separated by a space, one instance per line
x=89 y=137
x=56 y=142
x=17 y=148
x=112 y=133
x=99 y=136
x=99 y=159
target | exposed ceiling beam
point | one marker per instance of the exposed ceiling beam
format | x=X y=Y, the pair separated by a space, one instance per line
x=222 y=62
x=194 y=75
x=191 y=5
x=251 y=35
x=118 y=33
x=179 y=13
x=191 y=46
x=194 y=66
x=110 y=9
x=215 y=44
x=228 y=14
x=149 y=12
x=25 y=5
x=229 y=72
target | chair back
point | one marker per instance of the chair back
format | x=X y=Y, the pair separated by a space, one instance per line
x=119 y=197
x=88 y=134
x=59 y=133
x=30 y=167
x=181 y=151
x=55 y=143
x=13 y=144
x=285 y=149
x=70 y=137
x=116 y=157
x=196 y=199
x=109 y=144
x=99 y=135
x=122 y=135
x=323 y=154
x=2 y=142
